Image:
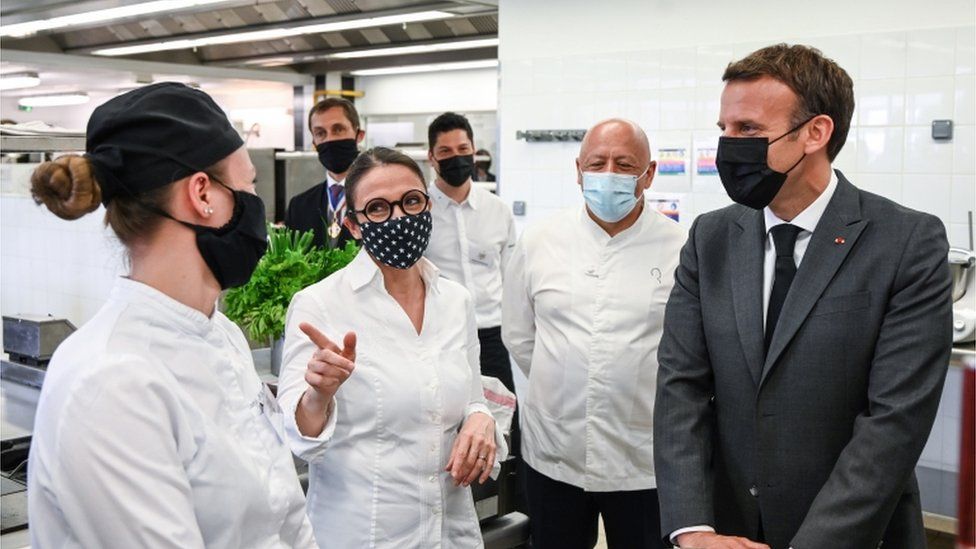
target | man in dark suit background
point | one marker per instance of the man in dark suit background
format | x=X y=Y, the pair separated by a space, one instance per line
x=336 y=134
x=807 y=336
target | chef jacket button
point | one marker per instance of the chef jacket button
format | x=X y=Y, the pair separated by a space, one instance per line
x=753 y=491
x=432 y=478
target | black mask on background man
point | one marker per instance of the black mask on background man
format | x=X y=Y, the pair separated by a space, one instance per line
x=456 y=169
x=337 y=155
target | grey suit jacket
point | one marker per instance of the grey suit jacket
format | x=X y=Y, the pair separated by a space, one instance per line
x=819 y=437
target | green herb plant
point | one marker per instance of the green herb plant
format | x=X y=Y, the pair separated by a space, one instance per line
x=290 y=264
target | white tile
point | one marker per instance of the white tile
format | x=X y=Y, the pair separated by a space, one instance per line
x=578 y=110
x=963 y=197
x=707 y=104
x=925 y=155
x=708 y=202
x=965 y=100
x=846 y=160
x=883 y=55
x=644 y=70
x=928 y=193
x=645 y=109
x=931 y=52
x=547 y=75
x=966 y=50
x=950 y=446
x=843 y=50
x=711 y=62
x=678 y=68
x=928 y=99
x=886 y=185
x=677 y=109
x=516 y=76
x=578 y=73
x=879 y=150
x=963 y=157
x=960 y=236
x=932 y=453
x=610 y=105
x=609 y=73
x=745 y=48
x=881 y=102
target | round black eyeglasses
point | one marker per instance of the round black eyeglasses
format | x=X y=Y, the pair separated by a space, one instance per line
x=378 y=210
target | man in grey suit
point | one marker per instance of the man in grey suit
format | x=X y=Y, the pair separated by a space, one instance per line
x=807 y=336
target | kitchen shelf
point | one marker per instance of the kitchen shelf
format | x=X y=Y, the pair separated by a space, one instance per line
x=41 y=143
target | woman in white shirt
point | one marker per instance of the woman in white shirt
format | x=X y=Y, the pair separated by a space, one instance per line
x=392 y=420
x=153 y=429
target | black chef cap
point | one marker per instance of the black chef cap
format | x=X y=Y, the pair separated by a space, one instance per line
x=155 y=135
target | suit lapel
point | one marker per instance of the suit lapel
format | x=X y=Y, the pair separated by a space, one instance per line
x=746 y=247
x=832 y=240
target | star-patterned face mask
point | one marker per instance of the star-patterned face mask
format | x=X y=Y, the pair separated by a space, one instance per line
x=398 y=242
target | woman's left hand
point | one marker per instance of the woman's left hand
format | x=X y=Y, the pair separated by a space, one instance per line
x=473 y=454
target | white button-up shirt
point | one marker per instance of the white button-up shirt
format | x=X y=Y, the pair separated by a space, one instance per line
x=807 y=221
x=153 y=430
x=470 y=243
x=582 y=316
x=380 y=480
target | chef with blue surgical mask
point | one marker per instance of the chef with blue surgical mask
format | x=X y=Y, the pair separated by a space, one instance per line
x=582 y=315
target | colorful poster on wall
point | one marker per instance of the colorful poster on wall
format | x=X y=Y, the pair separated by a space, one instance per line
x=672 y=161
x=667 y=204
x=705 y=161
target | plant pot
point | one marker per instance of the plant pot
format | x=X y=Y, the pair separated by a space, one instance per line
x=276 y=347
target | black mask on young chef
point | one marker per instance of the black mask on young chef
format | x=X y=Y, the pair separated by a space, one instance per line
x=744 y=171
x=456 y=169
x=232 y=251
x=337 y=155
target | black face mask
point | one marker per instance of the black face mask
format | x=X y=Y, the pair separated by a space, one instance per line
x=745 y=174
x=456 y=169
x=233 y=250
x=337 y=155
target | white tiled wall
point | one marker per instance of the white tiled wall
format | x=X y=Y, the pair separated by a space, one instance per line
x=903 y=81
x=51 y=266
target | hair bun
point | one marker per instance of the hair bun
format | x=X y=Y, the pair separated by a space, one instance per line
x=66 y=187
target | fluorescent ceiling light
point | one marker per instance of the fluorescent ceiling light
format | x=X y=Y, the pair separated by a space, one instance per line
x=19 y=80
x=101 y=16
x=435 y=67
x=274 y=34
x=59 y=100
x=426 y=48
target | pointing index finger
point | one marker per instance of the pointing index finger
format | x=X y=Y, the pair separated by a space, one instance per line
x=318 y=338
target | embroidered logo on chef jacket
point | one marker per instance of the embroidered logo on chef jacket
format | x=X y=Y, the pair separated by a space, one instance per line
x=656 y=274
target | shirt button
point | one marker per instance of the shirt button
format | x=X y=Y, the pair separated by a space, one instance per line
x=432 y=478
x=753 y=491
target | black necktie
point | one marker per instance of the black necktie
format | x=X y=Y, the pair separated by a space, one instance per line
x=784 y=237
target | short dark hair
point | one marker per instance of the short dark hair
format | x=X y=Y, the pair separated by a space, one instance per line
x=820 y=84
x=331 y=102
x=447 y=122
x=372 y=158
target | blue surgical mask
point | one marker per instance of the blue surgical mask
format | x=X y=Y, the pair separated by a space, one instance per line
x=609 y=195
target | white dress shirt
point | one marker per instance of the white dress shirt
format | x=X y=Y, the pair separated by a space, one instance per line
x=153 y=430
x=807 y=221
x=470 y=243
x=583 y=316
x=379 y=479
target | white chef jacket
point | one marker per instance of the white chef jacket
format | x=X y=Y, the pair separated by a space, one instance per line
x=470 y=243
x=380 y=480
x=153 y=430
x=583 y=316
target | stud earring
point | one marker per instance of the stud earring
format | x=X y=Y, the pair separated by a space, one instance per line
x=208 y=210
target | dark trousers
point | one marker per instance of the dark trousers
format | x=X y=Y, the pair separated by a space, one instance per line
x=565 y=516
x=495 y=362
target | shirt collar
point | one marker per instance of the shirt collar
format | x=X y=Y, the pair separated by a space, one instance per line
x=364 y=271
x=438 y=196
x=809 y=217
x=177 y=314
x=330 y=181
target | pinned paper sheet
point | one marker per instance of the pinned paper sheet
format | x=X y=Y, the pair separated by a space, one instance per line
x=667 y=204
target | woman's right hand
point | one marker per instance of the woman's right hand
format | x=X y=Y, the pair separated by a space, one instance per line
x=328 y=368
